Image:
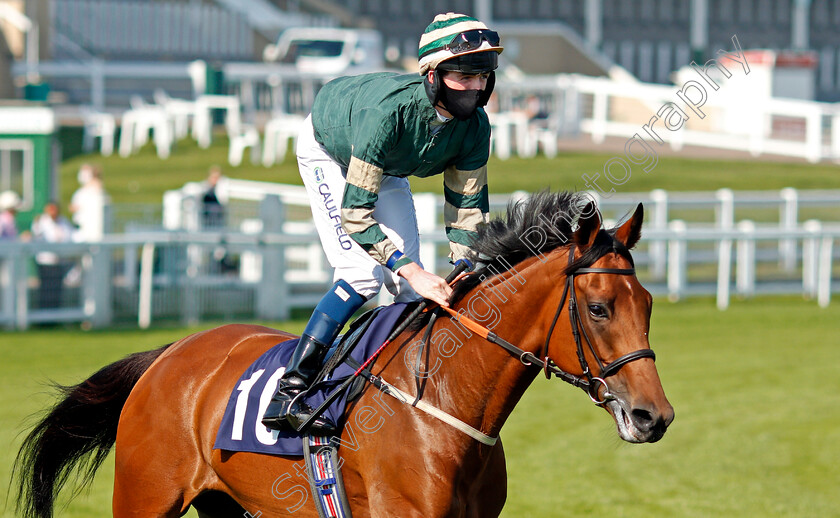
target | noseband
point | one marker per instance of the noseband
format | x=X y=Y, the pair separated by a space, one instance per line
x=588 y=382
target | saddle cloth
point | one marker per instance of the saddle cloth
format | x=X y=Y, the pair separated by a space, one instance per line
x=241 y=428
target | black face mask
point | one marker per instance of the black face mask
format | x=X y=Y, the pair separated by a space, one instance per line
x=460 y=103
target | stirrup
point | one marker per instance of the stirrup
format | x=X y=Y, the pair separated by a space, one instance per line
x=279 y=408
x=286 y=414
x=301 y=412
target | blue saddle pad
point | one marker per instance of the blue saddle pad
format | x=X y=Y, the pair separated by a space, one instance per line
x=241 y=429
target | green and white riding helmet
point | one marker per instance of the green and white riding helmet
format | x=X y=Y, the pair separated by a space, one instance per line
x=457 y=42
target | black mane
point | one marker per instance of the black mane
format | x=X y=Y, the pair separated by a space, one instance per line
x=499 y=245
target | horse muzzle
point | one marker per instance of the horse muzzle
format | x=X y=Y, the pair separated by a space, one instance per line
x=639 y=424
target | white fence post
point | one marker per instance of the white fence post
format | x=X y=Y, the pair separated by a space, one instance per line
x=572 y=108
x=21 y=277
x=677 y=261
x=813 y=134
x=725 y=210
x=172 y=215
x=745 y=260
x=824 y=275
x=659 y=221
x=724 y=273
x=810 y=258
x=425 y=204
x=724 y=220
x=144 y=296
x=787 y=221
x=599 y=116
x=102 y=313
x=273 y=290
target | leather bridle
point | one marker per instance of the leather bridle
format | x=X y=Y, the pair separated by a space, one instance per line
x=586 y=381
x=590 y=383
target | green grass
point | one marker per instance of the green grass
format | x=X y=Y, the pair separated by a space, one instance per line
x=144 y=177
x=755 y=389
x=756 y=431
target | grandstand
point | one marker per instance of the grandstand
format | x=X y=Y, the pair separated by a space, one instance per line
x=649 y=38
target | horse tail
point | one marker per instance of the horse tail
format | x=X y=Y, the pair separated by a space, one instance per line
x=78 y=431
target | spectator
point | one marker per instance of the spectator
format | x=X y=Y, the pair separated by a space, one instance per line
x=212 y=210
x=51 y=227
x=9 y=203
x=88 y=204
x=213 y=217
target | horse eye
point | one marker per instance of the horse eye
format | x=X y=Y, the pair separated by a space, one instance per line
x=597 y=311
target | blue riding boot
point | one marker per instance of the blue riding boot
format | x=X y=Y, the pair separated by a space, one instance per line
x=286 y=412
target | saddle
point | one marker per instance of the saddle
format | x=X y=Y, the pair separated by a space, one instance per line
x=238 y=430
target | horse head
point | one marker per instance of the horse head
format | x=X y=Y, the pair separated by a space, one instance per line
x=609 y=319
x=573 y=307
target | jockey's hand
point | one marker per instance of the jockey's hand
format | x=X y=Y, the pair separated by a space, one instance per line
x=427 y=285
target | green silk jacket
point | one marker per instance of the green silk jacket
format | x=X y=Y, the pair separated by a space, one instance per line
x=381 y=124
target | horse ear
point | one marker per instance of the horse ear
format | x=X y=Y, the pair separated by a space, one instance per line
x=589 y=224
x=631 y=231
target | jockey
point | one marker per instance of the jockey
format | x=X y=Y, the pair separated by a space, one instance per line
x=366 y=134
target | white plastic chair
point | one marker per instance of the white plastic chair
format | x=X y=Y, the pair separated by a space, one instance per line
x=98 y=125
x=541 y=134
x=278 y=132
x=180 y=112
x=135 y=126
x=248 y=136
x=203 y=123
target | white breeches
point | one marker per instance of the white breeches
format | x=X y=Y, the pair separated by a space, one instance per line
x=394 y=211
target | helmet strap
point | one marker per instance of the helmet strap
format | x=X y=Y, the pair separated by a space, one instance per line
x=432 y=89
x=484 y=98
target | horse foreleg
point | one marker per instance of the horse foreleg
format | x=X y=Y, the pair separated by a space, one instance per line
x=490 y=493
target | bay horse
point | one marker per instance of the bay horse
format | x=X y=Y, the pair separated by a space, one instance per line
x=162 y=408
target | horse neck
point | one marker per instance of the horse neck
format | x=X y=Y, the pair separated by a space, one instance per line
x=480 y=382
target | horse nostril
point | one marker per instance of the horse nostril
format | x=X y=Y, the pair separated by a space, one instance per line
x=643 y=419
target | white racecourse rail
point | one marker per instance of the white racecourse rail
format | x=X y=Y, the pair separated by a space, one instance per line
x=277 y=265
x=804 y=248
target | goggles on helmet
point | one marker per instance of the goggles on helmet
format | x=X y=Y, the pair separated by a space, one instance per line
x=471 y=40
